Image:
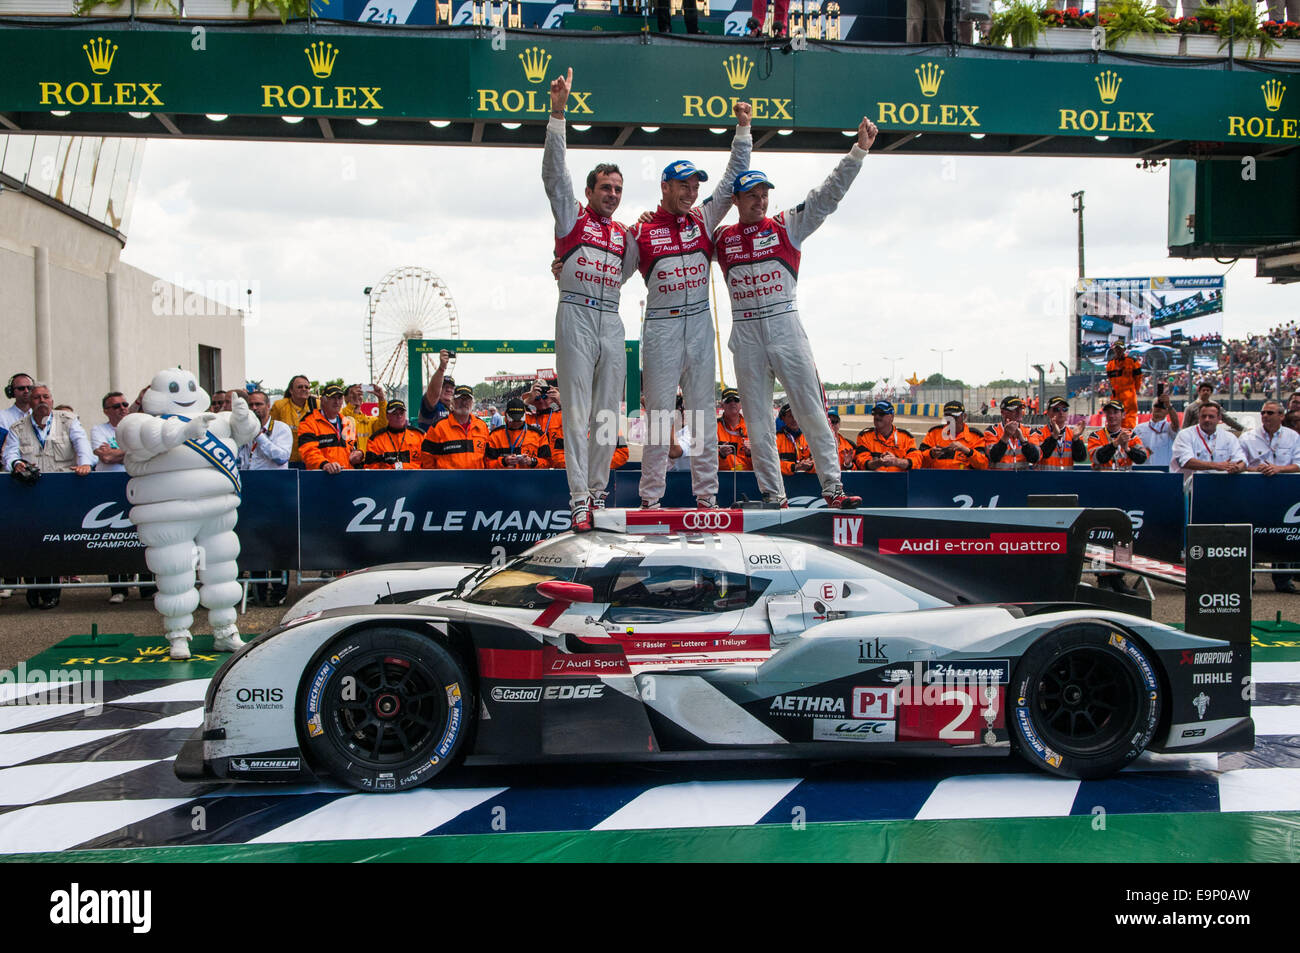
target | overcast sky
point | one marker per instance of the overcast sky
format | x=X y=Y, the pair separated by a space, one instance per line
x=972 y=254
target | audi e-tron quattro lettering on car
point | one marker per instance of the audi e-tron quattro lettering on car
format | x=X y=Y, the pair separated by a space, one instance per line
x=727 y=633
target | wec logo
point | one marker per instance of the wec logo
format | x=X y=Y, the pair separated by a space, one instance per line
x=96 y=518
x=1293 y=514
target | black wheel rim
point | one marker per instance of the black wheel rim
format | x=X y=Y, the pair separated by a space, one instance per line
x=395 y=711
x=1086 y=701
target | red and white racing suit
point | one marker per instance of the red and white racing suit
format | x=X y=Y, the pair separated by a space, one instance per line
x=590 y=354
x=674 y=254
x=761 y=265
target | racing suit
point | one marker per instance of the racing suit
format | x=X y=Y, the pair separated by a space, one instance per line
x=590 y=354
x=674 y=254
x=761 y=265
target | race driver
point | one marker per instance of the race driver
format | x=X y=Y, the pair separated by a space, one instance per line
x=952 y=445
x=1007 y=445
x=589 y=337
x=673 y=250
x=1125 y=375
x=760 y=259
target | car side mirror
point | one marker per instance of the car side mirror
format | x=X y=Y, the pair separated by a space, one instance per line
x=565 y=591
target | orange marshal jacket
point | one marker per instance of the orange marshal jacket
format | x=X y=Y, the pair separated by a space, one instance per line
x=320 y=442
x=502 y=442
x=871 y=446
x=449 y=446
x=791 y=450
x=1059 y=453
x=732 y=454
x=935 y=446
x=1106 y=456
x=1018 y=454
x=389 y=450
x=551 y=426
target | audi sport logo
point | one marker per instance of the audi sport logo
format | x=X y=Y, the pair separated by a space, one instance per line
x=706 y=520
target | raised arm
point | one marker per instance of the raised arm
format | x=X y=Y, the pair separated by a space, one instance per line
x=804 y=219
x=555 y=170
x=715 y=207
x=144 y=436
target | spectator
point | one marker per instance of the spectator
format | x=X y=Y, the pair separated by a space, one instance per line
x=362 y=422
x=19 y=389
x=457 y=442
x=1292 y=420
x=292 y=409
x=549 y=419
x=1007 y=446
x=1207 y=446
x=517 y=444
x=220 y=402
x=845 y=447
x=1157 y=434
x=1272 y=449
x=1124 y=374
x=495 y=419
x=792 y=446
x=733 y=435
x=435 y=405
x=323 y=439
x=884 y=447
x=396 y=446
x=1204 y=394
x=103 y=437
x=1293 y=403
x=952 y=445
x=54 y=442
x=269 y=450
x=664 y=16
x=103 y=440
x=1114 y=447
x=1060 y=446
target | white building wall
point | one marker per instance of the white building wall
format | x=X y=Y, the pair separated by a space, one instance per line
x=158 y=326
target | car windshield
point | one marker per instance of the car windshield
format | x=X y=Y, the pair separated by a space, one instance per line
x=515 y=583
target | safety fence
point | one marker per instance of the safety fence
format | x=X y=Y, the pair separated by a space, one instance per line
x=307 y=520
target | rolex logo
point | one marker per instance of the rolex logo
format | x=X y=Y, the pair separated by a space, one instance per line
x=738 y=68
x=100 y=53
x=1273 y=92
x=321 y=57
x=929 y=75
x=1108 y=85
x=535 y=61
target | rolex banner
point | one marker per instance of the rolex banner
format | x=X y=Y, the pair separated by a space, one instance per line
x=462 y=75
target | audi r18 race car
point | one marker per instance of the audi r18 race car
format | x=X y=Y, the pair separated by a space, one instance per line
x=723 y=633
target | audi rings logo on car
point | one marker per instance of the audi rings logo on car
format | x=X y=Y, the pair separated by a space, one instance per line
x=706 y=519
x=1196 y=552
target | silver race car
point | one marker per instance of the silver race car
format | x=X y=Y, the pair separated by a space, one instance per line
x=728 y=633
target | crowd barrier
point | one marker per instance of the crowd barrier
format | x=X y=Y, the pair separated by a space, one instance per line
x=309 y=520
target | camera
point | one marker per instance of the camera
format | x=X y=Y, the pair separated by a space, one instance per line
x=28 y=475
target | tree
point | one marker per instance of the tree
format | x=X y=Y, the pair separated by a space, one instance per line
x=317 y=387
x=938 y=380
x=1005 y=383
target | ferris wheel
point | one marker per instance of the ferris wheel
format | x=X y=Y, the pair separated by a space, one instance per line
x=409 y=303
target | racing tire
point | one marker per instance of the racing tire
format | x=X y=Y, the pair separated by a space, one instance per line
x=1085 y=701
x=384 y=709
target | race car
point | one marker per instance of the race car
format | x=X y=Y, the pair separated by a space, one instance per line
x=728 y=633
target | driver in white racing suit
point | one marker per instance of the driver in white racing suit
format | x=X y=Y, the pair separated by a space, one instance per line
x=673 y=250
x=589 y=341
x=760 y=259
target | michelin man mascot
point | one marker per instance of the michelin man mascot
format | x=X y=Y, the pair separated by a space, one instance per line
x=184 y=490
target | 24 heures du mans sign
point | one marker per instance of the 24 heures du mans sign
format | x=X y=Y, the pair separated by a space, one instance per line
x=620 y=80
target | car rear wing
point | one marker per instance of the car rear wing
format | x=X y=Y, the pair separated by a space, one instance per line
x=963 y=556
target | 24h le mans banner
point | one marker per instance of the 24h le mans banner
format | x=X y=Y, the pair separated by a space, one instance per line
x=331 y=72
